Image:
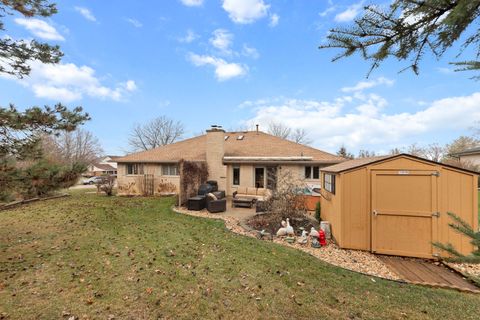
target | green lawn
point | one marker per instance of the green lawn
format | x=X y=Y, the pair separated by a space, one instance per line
x=91 y=256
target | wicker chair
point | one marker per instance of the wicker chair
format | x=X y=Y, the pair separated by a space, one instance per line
x=216 y=205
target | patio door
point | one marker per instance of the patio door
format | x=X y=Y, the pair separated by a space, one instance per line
x=404 y=212
x=259 y=177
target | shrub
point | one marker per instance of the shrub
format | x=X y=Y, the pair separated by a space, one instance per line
x=106 y=185
x=461 y=226
x=318 y=212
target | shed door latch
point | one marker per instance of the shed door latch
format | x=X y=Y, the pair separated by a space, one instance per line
x=436 y=214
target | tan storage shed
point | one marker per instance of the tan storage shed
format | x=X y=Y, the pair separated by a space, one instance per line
x=398 y=205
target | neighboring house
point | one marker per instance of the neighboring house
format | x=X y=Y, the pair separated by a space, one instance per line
x=471 y=156
x=104 y=166
x=234 y=159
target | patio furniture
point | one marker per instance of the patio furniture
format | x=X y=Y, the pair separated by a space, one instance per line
x=260 y=206
x=204 y=189
x=196 y=203
x=252 y=193
x=214 y=184
x=242 y=202
x=215 y=206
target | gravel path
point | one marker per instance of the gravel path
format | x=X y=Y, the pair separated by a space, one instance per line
x=469 y=268
x=354 y=260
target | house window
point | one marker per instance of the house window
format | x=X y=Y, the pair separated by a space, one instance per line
x=312 y=173
x=329 y=182
x=308 y=172
x=135 y=168
x=236 y=176
x=170 y=170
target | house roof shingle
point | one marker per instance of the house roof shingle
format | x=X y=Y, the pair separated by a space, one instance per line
x=253 y=144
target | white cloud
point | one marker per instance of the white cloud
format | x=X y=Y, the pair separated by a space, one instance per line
x=245 y=11
x=274 y=19
x=135 y=22
x=222 y=40
x=223 y=70
x=68 y=82
x=350 y=13
x=130 y=85
x=363 y=85
x=362 y=121
x=86 y=13
x=250 y=52
x=189 y=37
x=40 y=28
x=192 y=3
x=327 y=11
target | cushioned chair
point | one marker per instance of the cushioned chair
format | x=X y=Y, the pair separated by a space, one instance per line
x=215 y=205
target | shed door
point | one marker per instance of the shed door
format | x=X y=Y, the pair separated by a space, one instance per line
x=404 y=207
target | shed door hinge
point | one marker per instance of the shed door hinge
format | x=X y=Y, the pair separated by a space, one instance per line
x=436 y=214
x=436 y=174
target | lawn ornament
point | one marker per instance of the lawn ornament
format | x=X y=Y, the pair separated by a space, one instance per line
x=314 y=233
x=290 y=239
x=289 y=228
x=321 y=238
x=303 y=238
x=283 y=230
x=315 y=243
x=264 y=235
x=325 y=226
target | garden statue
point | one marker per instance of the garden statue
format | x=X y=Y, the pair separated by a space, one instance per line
x=283 y=230
x=315 y=243
x=264 y=235
x=290 y=230
x=290 y=239
x=303 y=238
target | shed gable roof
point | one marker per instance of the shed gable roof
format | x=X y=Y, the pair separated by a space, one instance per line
x=361 y=162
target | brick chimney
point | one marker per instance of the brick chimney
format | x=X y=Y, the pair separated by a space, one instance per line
x=214 y=154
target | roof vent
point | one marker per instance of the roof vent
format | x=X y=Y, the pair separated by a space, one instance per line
x=240 y=137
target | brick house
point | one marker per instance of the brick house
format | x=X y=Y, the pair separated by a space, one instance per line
x=234 y=159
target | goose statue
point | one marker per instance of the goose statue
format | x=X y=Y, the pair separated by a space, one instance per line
x=314 y=233
x=289 y=228
x=283 y=230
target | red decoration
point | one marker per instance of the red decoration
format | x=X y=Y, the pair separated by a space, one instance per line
x=321 y=238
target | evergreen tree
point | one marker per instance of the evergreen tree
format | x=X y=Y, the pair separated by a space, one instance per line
x=17 y=54
x=408 y=29
x=342 y=152
x=21 y=131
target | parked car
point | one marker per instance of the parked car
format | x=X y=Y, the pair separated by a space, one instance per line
x=92 y=180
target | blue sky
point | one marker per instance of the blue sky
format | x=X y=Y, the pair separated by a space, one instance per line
x=236 y=63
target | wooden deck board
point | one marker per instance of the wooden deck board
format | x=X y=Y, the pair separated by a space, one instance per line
x=425 y=272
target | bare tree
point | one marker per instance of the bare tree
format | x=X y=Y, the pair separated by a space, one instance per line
x=416 y=150
x=342 y=152
x=280 y=130
x=300 y=136
x=460 y=144
x=79 y=146
x=366 y=154
x=434 y=152
x=158 y=132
